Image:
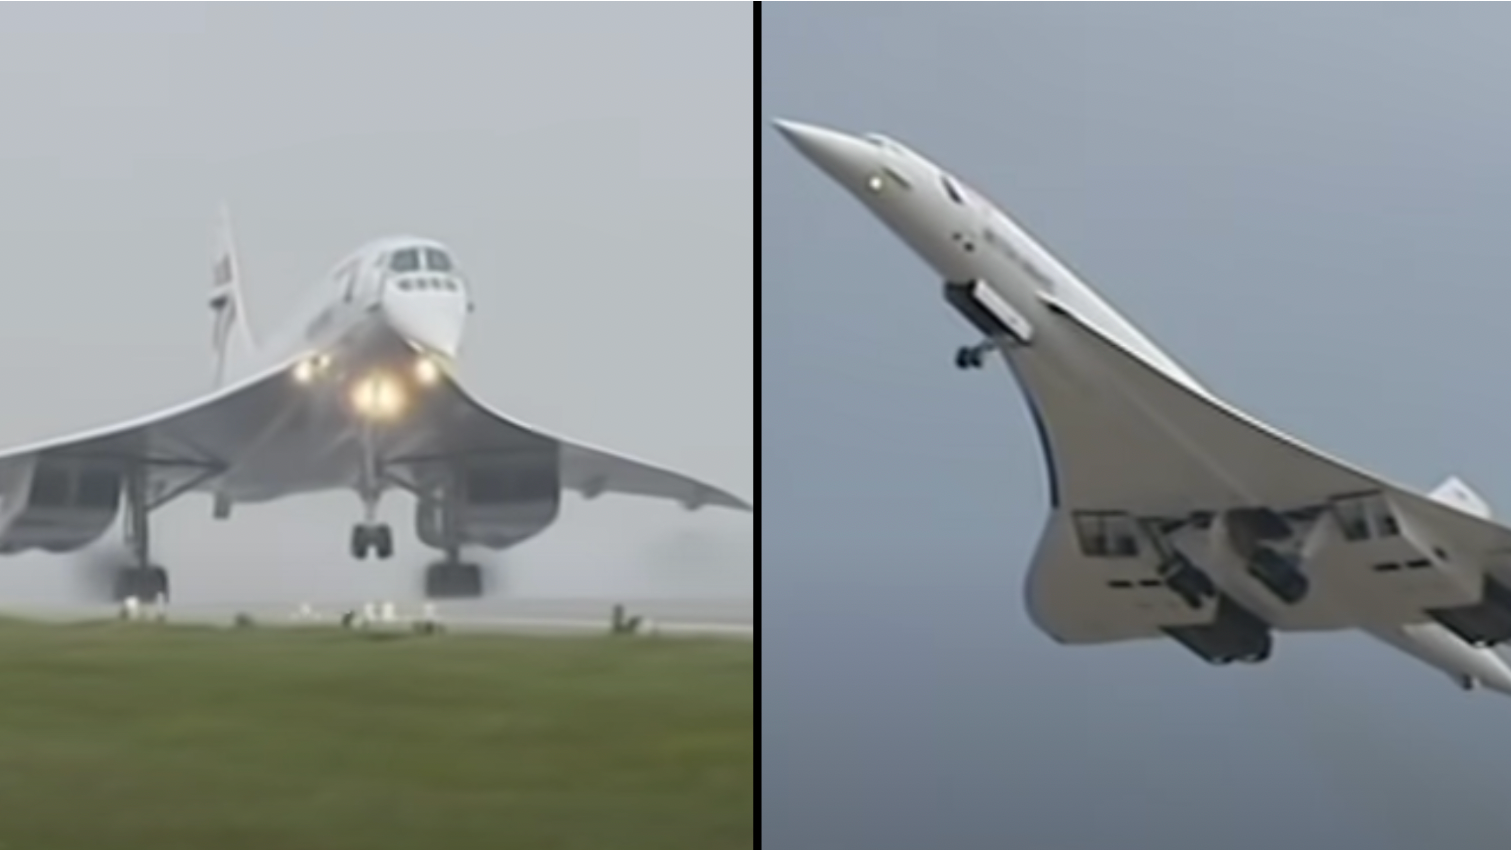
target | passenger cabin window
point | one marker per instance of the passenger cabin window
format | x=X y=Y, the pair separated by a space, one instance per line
x=405 y=261
x=951 y=189
x=437 y=261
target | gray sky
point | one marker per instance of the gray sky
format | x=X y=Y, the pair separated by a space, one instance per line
x=589 y=166
x=1305 y=205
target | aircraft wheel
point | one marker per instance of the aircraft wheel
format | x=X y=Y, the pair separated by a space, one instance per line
x=158 y=582
x=145 y=584
x=382 y=541
x=967 y=357
x=359 y=542
x=451 y=580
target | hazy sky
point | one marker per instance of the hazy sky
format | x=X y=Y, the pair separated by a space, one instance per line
x=589 y=165
x=1305 y=205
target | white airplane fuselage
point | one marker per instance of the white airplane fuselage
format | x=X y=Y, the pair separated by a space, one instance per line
x=963 y=237
x=371 y=337
x=357 y=391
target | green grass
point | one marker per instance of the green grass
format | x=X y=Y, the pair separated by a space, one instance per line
x=141 y=736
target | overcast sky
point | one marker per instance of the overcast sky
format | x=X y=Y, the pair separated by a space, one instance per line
x=589 y=165
x=1306 y=206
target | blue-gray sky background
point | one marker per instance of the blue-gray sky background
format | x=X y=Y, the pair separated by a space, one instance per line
x=1307 y=205
x=588 y=163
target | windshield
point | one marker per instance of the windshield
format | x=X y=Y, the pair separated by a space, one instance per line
x=405 y=261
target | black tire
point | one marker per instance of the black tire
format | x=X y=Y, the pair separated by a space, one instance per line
x=453 y=581
x=471 y=579
x=359 y=542
x=383 y=541
x=158 y=581
x=143 y=583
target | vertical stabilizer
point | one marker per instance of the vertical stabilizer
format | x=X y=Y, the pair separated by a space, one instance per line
x=1456 y=493
x=231 y=336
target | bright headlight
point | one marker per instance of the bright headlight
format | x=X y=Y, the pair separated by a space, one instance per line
x=426 y=370
x=311 y=367
x=378 y=397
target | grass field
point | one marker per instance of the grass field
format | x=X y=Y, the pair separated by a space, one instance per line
x=183 y=738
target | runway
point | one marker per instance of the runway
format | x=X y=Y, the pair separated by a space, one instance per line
x=734 y=619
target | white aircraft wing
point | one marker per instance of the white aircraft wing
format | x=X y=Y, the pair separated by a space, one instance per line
x=1146 y=471
x=63 y=493
x=464 y=432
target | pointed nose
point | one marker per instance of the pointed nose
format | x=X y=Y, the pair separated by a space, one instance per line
x=1493 y=673
x=843 y=157
x=432 y=320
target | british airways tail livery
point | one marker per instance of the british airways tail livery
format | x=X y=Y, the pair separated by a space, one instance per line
x=357 y=392
x=1174 y=514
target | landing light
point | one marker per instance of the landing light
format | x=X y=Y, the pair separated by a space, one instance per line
x=309 y=368
x=426 y=370
x=378 y=396
x=876 y=183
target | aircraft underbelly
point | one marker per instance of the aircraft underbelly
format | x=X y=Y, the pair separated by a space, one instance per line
x=1123 y=438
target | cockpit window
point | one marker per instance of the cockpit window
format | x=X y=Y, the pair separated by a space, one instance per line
x=405 y=261
x=436 y=260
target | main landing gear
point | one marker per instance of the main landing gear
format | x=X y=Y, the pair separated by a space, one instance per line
x=453 y=578
x=969 y=357
x=436 y=521
x=141 y=580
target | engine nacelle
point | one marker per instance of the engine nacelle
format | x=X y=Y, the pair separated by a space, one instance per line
x=57 y=504
x=498 y=504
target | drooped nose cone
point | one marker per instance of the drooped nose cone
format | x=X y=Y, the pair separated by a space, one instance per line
x=843 y=157
x=432 y=317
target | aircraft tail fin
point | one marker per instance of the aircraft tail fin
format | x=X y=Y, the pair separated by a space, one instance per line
x=1455 y=493
x=231 y=336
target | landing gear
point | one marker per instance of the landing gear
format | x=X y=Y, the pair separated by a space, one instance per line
x=453 y=579
x=973 y=356
x=1234 y=635
x=1255 y=534
x=142 y=580
x=144 y=584
x=370 y=535
x=1281 y=574
x=376 y=538
x=1187 y=581
x=436 y=521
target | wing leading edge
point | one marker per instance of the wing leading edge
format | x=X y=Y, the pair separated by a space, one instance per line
x=63 y=493
x=585 y=469
x=258 y=437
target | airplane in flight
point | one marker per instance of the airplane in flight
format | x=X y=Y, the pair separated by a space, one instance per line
x=357 y=392
x=1173 y=514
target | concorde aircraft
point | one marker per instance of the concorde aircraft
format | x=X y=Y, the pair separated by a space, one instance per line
x=1173 y=514
x=357 y=392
